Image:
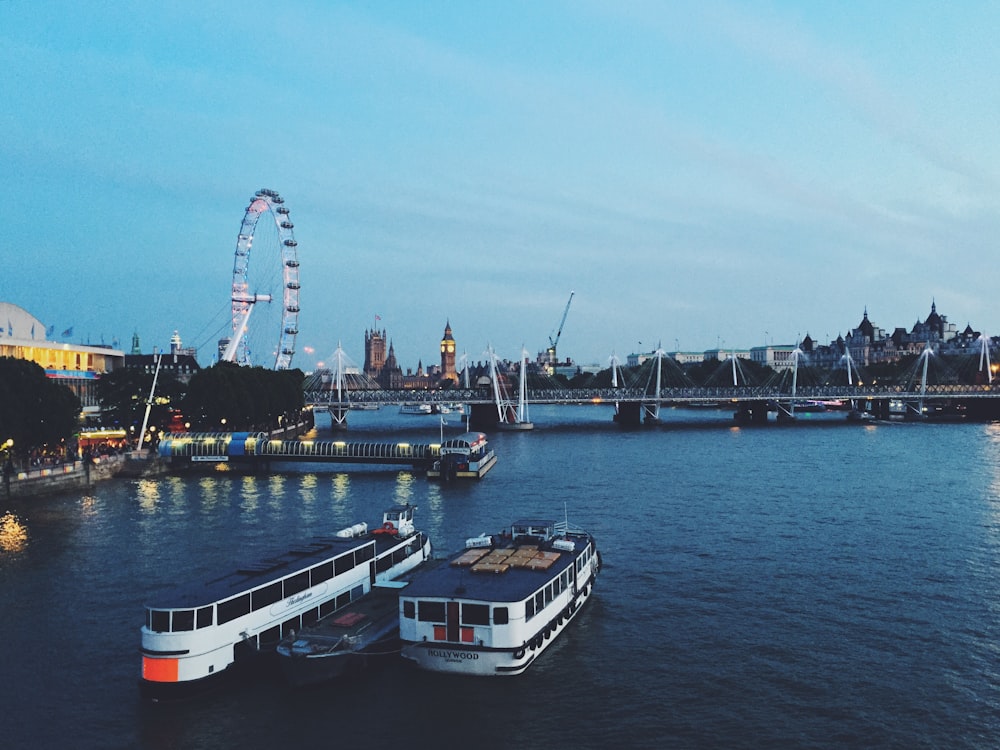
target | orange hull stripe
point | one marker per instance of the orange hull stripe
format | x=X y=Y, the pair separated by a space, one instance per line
x=159 y=670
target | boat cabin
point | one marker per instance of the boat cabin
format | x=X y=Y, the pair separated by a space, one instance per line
x=399 y=520
x=469 y=445
x=532 y=531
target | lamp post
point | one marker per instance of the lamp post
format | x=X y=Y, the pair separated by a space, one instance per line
x=8 y=465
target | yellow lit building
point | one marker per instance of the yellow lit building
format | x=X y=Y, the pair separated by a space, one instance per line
x=23 y=336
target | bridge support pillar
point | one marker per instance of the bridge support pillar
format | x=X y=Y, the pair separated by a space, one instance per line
x=751 y=412
x=338 y=416
x=629 y=414
x=483 y=416
x=880 y=408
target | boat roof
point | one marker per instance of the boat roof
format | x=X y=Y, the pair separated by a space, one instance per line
x=265 y=570
x=515 y=584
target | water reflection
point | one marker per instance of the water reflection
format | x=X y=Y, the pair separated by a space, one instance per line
x=88 y=506
x=404 y=487
x=249 y=493
x=341 y=487
x=13 y=533
x=149 y=494
x=307 y=488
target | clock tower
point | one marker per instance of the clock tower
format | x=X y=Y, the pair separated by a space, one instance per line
x=448 y=355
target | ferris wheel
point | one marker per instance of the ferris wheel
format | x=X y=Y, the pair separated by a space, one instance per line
x=265 y=292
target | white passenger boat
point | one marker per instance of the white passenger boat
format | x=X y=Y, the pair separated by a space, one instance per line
x=193 y=635
x=467 y=456
x=416 y=409
x=497 y=605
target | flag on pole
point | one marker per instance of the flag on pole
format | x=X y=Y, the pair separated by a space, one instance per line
x=51 y=330
x=68 y=331
x=378 y=317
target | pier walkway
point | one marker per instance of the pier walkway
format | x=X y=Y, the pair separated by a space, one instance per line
x=257 y=450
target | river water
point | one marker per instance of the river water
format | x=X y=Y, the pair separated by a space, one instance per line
x=817 y=585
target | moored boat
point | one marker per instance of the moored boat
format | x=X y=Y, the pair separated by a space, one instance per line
x=499 y=603
x=416 y=409
x=194 y=635
x=467 y=456
x=343 y=641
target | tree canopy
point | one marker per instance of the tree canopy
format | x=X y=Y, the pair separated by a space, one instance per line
x=35 y=411
x=247 y=398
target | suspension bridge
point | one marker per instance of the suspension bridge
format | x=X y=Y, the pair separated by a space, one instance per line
x=494 y=400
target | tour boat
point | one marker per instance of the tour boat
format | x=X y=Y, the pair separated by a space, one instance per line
x=415 y=409
x=499 y=603
x=468 y=456
x=195 y=634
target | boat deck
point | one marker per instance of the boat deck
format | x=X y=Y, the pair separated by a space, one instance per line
x=256 y=573
x=370 y=618
x=505 y=572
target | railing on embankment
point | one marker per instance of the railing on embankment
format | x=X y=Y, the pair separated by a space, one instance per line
x=64 y=477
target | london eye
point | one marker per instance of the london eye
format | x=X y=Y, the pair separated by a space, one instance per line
x=265 y=290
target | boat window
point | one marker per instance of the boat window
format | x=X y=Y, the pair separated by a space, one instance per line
x=264 y=597
x=529 y=609
x=343 y=599
x=357 y=592
x=159 y=621
x=327 y=607
x=296 y=583
x=270 y=637
x=500 y=616
x=205 y=617
x=383 y=563
x=233 y=608
x=343 y=563
x=183 y=620
x=409 y=609
x=289 y=625
x=308 y=618
x=539 y=601
x=365 y=553
x=430 y=611
x=475 y=614
x=321 y=573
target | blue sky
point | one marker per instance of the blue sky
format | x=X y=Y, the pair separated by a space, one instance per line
x=698 y=173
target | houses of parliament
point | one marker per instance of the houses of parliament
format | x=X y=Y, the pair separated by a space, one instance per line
x=382 y=367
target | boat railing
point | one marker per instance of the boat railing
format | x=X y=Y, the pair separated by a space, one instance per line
x=565 y=527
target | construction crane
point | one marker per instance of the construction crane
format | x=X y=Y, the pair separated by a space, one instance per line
x=551 y=351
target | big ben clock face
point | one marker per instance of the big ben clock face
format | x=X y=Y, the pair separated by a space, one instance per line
x=451 y=348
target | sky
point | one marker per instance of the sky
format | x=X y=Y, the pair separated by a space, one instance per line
x=697 y=174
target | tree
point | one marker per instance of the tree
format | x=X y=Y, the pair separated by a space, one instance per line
x=34 y=410
x=124 y=392
x=247 y=398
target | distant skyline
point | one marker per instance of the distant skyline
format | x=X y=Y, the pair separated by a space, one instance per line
x=700 y=174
